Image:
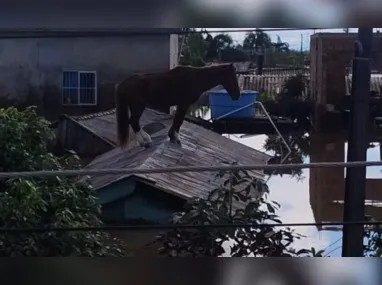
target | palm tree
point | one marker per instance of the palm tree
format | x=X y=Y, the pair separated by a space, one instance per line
x=280 y=45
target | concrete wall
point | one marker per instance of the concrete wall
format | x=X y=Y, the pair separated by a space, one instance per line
x=327 y=185
x=330 y=54
x=31 y=68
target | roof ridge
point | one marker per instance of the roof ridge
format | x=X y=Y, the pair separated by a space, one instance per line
x=93 y=115
x=102 y=114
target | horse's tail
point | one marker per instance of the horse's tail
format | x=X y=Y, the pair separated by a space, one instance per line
x=122 y=116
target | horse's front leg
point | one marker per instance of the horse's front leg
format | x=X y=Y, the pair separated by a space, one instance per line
x=173 y=133
x=143 y=138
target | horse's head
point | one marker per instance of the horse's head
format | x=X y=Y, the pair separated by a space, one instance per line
x=229 y=81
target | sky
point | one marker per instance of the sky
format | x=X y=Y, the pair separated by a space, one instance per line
x=291 y=37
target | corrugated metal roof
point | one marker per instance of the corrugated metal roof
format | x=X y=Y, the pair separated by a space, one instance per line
x=104 y=125
x=199 y=147
x=375 y=83
x=269 y=83
x=273 y=83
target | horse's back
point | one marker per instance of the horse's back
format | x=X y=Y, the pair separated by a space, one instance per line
x=168 y=87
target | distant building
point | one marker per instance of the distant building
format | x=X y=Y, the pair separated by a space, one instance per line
x=327 y=185
x=74 y=71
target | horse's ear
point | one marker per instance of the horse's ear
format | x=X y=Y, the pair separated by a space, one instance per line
x=232 y=66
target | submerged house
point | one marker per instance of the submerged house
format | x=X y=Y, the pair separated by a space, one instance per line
x=74 y=70
x=150 y=198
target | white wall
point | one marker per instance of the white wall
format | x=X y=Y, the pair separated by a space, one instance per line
x=174 y=55
x=174 y=50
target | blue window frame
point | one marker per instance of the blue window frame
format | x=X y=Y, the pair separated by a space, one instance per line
x=79 y=88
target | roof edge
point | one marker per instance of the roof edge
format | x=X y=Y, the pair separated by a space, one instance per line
x=64 y=116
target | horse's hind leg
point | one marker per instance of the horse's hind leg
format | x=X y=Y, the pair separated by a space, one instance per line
x=173 y=133
x=143 y=138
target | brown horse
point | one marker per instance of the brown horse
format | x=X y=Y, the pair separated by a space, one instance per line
x=180 y=86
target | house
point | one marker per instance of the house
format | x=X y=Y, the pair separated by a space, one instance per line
x=74 y=70
x=151 y=198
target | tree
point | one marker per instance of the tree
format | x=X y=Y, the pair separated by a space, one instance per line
x=256 y=41
x=217 y=44
x=212 y=48
x=47 y=201
x=220 y=208
x=194 y=49
x=223 y=41
x=280 y=45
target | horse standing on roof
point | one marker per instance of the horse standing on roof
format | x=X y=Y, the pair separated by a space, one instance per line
x=181 y=86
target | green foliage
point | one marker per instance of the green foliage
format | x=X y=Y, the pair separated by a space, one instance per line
x=264 y=96
x=194 y=50
x=298 y=143
x=310 y=253
x=199 y=48
x=295 y=88
x=45 y=202
x=257 y=41
x=241 y=199
x=280 y=45
x=218 y=46
x=373 y=247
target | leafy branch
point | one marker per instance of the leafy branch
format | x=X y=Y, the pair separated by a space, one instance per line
x=241 y=199
x=45 y=202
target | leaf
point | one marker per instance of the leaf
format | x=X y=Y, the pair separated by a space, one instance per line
x=303 y=251
x=378 y=253
x=241 y=197
x=270 y=208
x=190 y=215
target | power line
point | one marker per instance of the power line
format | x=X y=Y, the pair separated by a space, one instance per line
x=330 y=245
x=131 y=171
x=70 y=33
x=173 y=227
x=333 y=250
x=250 y=30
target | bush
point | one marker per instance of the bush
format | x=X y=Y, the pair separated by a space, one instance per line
x=45 y=202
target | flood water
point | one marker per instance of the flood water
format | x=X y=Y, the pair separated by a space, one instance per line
x=316 y=195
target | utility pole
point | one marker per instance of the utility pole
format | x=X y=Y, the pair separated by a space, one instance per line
x=354 y=206
x=302 y=57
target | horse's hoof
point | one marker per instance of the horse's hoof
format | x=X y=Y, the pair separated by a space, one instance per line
x=175 y=141
x=146 y=144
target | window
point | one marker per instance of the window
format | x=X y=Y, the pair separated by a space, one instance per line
x=79 y=88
